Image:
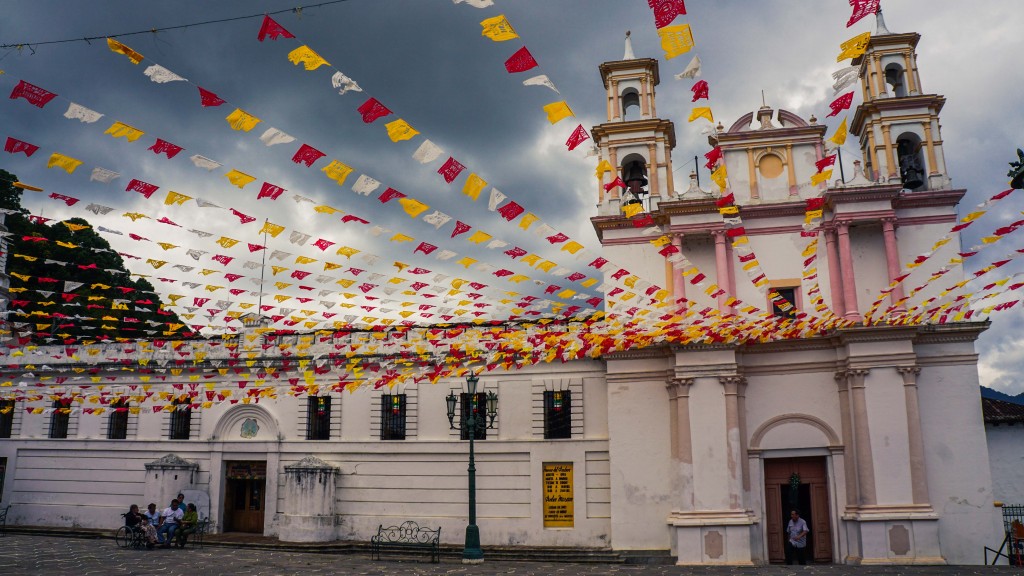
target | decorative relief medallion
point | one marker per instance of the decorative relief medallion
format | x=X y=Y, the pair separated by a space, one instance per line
x=250 y=428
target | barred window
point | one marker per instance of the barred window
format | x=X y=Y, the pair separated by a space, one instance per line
x=790 y=295
x=392 y=417
x=181 y=420
x=318 y=418
x=557 y=414
x=117 y=425
x=6 y=418
x=60 y=419
x=477 y=406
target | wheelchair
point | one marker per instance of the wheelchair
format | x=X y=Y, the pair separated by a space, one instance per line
x=129 y=537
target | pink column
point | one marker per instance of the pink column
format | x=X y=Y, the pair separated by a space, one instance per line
x=835 y=280
x=892 y=261
x=731 y=270
x=846 y=263
x=678 y=280
x=721 y=266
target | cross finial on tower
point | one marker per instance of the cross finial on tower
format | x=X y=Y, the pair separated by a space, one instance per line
x=629 y=55
x=880 y=29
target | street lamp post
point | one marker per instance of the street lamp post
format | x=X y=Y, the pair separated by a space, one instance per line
x=471 y=551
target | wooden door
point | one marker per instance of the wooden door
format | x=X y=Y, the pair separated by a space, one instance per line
x=245 y=497
x=813 y=502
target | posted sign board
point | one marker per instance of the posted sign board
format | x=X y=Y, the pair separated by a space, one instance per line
x=558 y=495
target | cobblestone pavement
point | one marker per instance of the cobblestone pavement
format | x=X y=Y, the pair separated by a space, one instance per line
x=30 y=555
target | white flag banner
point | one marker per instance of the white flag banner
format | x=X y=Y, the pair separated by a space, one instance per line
x=844 y=77
x=365 y=185
x=299 y=238
x=344 y=83
x=162 y=75
x=692 y=70
x=204 y=162
x=446 y=255
x=540 y=80
x=427 y=152
x=437 y=219
x=496 y=199
x=475 y=3
x=103 y=175
x=99 y=209
x=274 y=136
x=78 y=112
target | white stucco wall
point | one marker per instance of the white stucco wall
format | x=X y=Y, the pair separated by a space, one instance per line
x=1006 y=458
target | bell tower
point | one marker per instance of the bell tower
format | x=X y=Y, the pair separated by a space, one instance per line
x=634 y=141
x=898 y=123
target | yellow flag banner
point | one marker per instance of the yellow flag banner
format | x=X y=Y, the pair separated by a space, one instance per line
x=479 y=237
x=557 y=111
x=719 y=176
x=474 y=185
x=839 y=138
x=337 y=171
x=412 y=206
x=122 y=130
x=307 y=57
x=701 y=112
x=241 y=120
x=239 y=179
x=631 y=210
x=176 y=198
x=271 y=228
x=400 y=130
x=676 y=40
x=66 y=163
x=498 y=29
x=602 y=167
x=821 y=177
x=527 y=220
x=854 y=47
x=119 y=48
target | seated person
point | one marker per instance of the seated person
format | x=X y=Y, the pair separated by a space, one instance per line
x=189 y=524
x=169 y=520
x=136 y=521
x=152 y=515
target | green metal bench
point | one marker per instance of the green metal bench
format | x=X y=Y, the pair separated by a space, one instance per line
x=408 y=536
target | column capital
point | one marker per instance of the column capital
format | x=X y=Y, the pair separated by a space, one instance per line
x=909 y=374
x=733 y=384
x=718 y=234
x=842 y=226
x=679 y=387
x=893 y=220
x=856 y=377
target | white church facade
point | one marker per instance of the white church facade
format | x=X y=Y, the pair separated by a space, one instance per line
x=874 y=432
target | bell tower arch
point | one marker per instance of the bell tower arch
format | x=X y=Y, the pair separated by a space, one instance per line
x=634 y=141
x=898 y=123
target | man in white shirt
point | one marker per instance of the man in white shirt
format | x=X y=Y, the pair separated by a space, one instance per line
x=796 y=538
x=169 y=520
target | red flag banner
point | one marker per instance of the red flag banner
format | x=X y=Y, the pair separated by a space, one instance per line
x=389 y=195
x=713 y=157
x=65 y=199
x=511 y=211
x=579 y=136
x=862 y=9
x=162 y=146
x=270 y=191
x=425 y=248
x=665 y=11
x=244 y=219
x=272 y=29
x=35 y=95
x=144 y=188
x=825 y=162
x=307 y=155
x=372 y=109
x=451 y=169
x=460 y=228
x=208 y=99
x=521 y=61
x=617 y=182
x=839 y=104
x=700 y=90
x=14 y=146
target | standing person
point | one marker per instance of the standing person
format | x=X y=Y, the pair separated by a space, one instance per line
x=189 y=523
x=796 y=538
x=169 y=520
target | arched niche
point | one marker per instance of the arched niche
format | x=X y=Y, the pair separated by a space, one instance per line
x=789 y=431
x=770 y=164
x=910 y=159
x=247 y=422
x=896 y=80
x=630 y=99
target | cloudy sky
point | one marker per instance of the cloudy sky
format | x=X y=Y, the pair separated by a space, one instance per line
x=426 y=60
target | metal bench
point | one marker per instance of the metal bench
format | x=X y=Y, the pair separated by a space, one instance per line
x=196 y=538
x=408 y=536
x=3 y=520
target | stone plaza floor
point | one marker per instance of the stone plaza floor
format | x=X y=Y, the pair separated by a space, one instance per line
x=24 y=555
